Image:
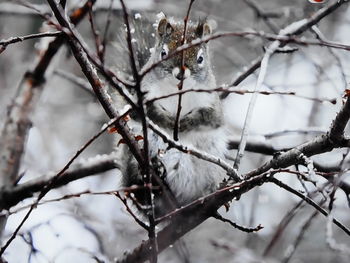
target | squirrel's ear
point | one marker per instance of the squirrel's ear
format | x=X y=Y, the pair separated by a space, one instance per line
x=203 y=29
x=164 y=27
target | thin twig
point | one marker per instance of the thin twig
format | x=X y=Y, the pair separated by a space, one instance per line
x=51 y=183
x=145 y=166
x=320 y=144
x=81 y=83
x=242 y=92
x=331 y=242
x=235 y=225
x=138 y=221
x=11 y=196
x=310 y=202
x=263 y=70
x=282 y=226
x=193 y=214
x=284 y=39
x=17 y=121
x=262 y=14
x=303 y=25
x=105 y=34
x=5 y=42
x=322 y=38
x=291 y=248
x=79 y=52
x=304 y=131
x=95 y=33
x=195 y=152
x=182 y=72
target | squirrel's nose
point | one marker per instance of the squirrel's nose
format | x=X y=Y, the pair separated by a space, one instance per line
x=181 y=75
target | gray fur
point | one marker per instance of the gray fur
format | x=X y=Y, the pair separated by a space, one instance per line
x=201 y=121
x=200 y=117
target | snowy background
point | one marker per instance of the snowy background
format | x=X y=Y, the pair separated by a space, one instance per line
x=97 y=227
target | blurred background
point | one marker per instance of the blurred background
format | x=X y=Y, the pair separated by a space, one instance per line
x=97 y=228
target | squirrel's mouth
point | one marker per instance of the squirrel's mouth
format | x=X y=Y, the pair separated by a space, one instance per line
x=181 y=74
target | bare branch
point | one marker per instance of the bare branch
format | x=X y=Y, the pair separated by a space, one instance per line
x=235 y=225
x=332 y=243
x=145 y=167
x=95 y=34
x=193 y=214
x=190 y=150
x=105 y=34
x=284 y=39
x=242 y=92
x=4 y=43
x=304 y=25
x=17 y=122
x=96 y=83
x=189 y=216
x=310 y=202
x=321 y=144
x=261 y=78
x=181 y=220
x=79 y=194
x=282 y=226
x=264 y=15
x=54 y=179
x=82 y=83
x=10 y=196
x=303 y=131
x=125 y=202
x=182 y=70
x=291 y=248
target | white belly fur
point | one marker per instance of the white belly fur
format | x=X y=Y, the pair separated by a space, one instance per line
x=188 y=176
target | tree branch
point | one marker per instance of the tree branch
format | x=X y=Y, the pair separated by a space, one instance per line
x=195 y=213
x=11 y=196
x=17 y=123
x=4 y=43
x=304 y=25
x=321 y=144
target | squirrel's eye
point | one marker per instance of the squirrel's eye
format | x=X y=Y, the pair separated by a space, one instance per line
x=164 y=51
x=200 y=59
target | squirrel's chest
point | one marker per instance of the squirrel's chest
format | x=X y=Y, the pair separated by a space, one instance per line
x=189 y=100
x=187 y=176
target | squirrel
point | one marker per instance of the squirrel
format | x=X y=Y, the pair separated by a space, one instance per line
x=201 y=122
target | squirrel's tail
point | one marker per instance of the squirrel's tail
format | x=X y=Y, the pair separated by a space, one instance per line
x=142 y=38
